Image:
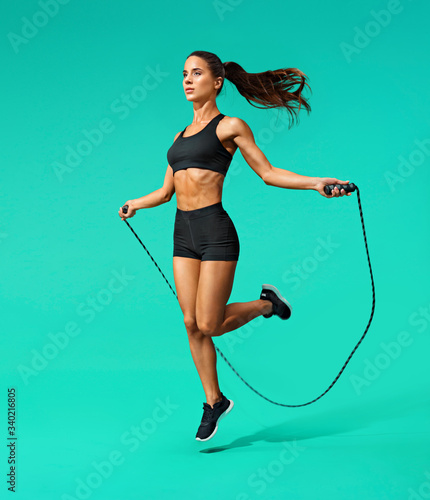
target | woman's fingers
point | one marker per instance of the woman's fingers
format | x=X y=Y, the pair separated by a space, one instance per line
x=121 y=214
x=337 y=193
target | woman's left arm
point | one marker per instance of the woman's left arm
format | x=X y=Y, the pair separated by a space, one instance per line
x=272 y=176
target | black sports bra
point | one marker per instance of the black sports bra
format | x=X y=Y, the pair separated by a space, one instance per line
x=201 y=150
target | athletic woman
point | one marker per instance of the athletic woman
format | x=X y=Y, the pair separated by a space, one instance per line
x=206 y=244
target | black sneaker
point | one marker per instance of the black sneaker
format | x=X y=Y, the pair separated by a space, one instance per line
x=211 y=417
x=281 y=307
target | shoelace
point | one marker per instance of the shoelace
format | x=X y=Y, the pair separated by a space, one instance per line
x=207 y=413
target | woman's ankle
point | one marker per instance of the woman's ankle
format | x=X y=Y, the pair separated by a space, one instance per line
x=213 y=399
x=267 y=307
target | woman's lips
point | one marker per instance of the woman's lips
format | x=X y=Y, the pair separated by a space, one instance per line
x=189 y=90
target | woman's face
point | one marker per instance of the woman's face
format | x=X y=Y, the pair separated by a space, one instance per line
x=198 y=77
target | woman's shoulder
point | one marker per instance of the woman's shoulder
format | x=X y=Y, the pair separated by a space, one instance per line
x=231 y=119
x=234 y=124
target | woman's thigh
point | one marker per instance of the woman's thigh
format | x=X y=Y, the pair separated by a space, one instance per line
x=214 y=289
x=186 y=273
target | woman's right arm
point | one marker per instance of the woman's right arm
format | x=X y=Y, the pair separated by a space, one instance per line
x=160 y=196
x=157 y=197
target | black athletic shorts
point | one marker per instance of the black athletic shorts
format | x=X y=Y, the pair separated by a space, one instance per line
x=205 y=233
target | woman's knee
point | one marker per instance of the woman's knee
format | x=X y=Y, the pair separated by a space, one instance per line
x=208 y=328
x=191 y=324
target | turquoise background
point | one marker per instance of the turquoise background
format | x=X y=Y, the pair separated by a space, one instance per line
x=125 y=362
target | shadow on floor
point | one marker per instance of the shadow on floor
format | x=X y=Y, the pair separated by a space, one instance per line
x=337 y=420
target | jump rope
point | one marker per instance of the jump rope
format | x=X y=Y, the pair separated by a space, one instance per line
x=327 y=189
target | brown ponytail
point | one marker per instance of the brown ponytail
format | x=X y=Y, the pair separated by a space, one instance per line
x=271 y=89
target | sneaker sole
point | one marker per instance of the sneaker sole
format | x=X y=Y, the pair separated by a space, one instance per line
x=278 y=294
x=228 y=410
